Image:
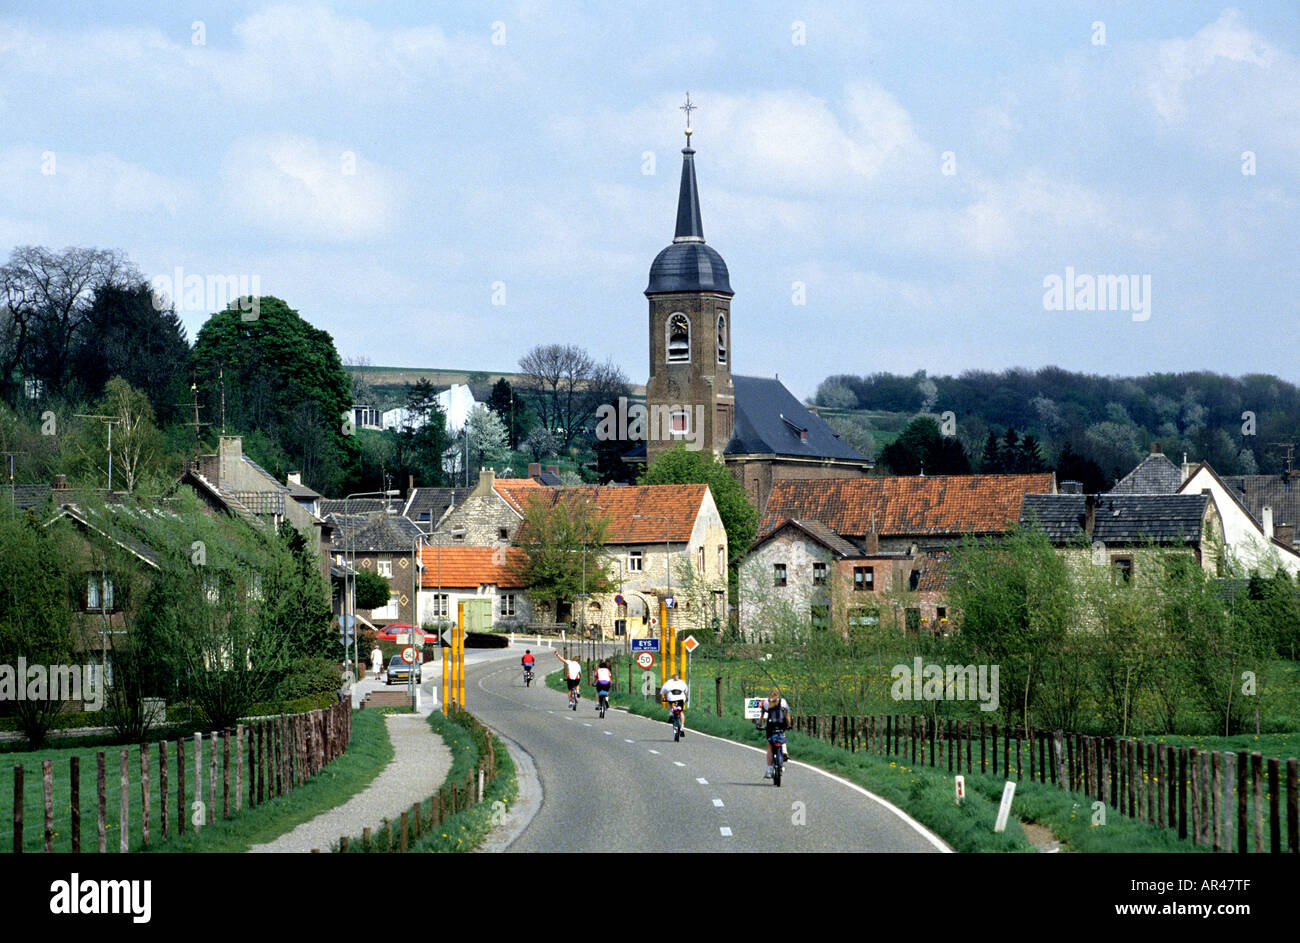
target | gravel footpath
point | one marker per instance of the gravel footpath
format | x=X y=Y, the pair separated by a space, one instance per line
x=419 y=766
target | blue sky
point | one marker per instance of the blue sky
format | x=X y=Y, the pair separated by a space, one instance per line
x=506 y=143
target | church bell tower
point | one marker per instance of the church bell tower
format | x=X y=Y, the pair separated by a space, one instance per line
x=689 y=395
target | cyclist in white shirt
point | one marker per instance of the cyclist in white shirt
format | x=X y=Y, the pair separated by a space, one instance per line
x=776 y=720
x=675 y=692
x=572 y=676
x=604 y=680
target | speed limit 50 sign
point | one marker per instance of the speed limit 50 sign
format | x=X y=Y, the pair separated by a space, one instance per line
x=645 y=659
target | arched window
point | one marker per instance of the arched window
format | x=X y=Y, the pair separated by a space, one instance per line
x=679 y=338
x=722 y=338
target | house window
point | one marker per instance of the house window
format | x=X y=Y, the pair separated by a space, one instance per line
x=778 y=574
x=913 y=580
x=99 y=591
x=722 y=339
x=390 y=610
x=913 y=617
x=819 y=574
x=503 y=533
x=722 y=560
x=700 y=556
x=507 y=604
x=384 y=568
x=635 y=559
x=679 y=338
x=863 y=617
x=440 y=605
x=681 y=422
x=864 y=578
x=458 y=536
x=821 y=617
x=1123 y=569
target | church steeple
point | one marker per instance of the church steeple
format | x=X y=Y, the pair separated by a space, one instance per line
x=689 y=226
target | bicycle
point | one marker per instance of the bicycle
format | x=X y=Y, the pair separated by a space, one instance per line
x=678 y=732
x=528 y=675
x=777 y=742
x=573 y=699
x=602 y=703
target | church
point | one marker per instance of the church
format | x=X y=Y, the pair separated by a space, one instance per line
x=758 y=427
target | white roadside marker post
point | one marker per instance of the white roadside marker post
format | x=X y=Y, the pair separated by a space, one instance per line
x=1004 y=809
x=961 y=788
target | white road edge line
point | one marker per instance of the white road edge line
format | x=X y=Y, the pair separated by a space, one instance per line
x=912 y=823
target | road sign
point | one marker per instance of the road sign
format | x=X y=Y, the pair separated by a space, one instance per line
x=645 y=659
x=645 y=645
x=408 y=655
x=406 y=638
x=670 y=603
x=619 y=600
x=754 y=708
x=690 y=644
x=654 y=621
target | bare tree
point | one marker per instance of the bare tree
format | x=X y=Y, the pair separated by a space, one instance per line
x=568 y=386
x=46 y=295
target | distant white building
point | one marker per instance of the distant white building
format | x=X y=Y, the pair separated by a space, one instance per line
x=456 y=403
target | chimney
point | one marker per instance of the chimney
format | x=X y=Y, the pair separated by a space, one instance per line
x=1285 y=533
x=230 y=450
x=1072 y=487
x=1089 y=515
x=294 y=478
x=534 y=469
x=1268 y=521
x=410 y=484
x=554 y=470
x=1155 y=448
x=871 y=543
x=486 y=480
x=60 y=483
x=1187 y=468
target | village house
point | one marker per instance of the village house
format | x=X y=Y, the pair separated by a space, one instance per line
x=454 y=574
x=387 y=544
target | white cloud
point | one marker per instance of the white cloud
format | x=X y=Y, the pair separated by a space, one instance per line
x=85 y=187
x=299 y=187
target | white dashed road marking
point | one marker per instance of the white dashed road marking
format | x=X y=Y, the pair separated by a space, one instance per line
x=726 y=832
x=701 y=780
x=608 y=733
x=678 y=763
x=655 y=752
x=625 y=740
x=718 y=803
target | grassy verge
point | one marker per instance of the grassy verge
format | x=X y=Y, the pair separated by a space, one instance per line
x=368 y=753
x=927 y=794
x=466 y=829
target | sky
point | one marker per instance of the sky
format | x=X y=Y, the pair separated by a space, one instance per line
x=893 y=186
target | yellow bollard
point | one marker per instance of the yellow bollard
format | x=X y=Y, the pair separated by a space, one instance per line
x=460 y=625
x=446 y=678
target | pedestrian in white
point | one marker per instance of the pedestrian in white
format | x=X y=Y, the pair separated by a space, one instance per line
x=377 y=661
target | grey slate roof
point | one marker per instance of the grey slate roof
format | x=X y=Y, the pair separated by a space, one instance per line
x=769 y=420
x=1119 y=519
x=1280 y=493
x=428 y=505
x=373 y=533
x=1155 y=474
x=29 y=496
x=355 y=506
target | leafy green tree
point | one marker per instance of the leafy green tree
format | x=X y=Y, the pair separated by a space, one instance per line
x=373 y=590
x=138 y=450
x=281 y=377
x=489 y=442
x=564 y=555
x=923 y=448
x=991 y=459
x=681 y=466
x=502 y=402
x=424 y=441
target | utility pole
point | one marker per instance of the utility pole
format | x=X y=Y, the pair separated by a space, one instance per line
x=13 y=493
x=110 y=421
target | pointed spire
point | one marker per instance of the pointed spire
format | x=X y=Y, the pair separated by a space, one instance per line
x=689 y=226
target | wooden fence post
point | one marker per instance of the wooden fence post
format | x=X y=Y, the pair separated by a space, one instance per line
x=101 y=789
x=1292 y=807
x=1226 y=800
x=180 y=786
x=47 y=788
x=225 y=773
x=212 y=777
x=74 y=787
x=124 y=838
x=1243 y=830
x=1194 y=769
x=18 y=809
x=198 y=779
x=1216 y=795
x=1257 y=777
x=162 y=788
x=144 y=794
x=239 y=767
x=1274 y=807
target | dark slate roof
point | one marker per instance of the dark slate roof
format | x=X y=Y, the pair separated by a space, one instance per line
x=550 y=479
x=1120 y=519
x=373 y=533
x=1280 y=493
x=428 y=505
x=688 y=264
x=302 y=491
x=1155 y=474
x=769 y=421
x=355 y=506
x=30 y=496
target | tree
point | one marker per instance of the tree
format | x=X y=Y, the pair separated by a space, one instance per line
x=137 y=450
x=563 y=552
x=373 y=590
x=1071 y=466
x=38 y=580
x=991 y=459
x=540 y=444
x=502 y=402
x=681 y=466
x=488 y=440
x=281 y=377
x=423 y=440
x=127 y=334
x=922 y=448
x=567 y=387
x=46 y=296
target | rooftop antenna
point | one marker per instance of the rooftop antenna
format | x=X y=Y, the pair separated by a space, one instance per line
x=109 y=421
x=13 y=492
x=1290 y=455
x=194 y=390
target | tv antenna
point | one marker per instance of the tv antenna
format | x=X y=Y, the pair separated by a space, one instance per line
x=109 y=421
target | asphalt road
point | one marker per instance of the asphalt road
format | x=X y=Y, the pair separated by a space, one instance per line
x=622 y=785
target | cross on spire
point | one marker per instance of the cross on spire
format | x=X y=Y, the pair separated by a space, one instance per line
x=688 y=108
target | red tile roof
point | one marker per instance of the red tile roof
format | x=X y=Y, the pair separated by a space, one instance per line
x=680 y=504
x=463 y=567
x=515 y=491
x=945 y=504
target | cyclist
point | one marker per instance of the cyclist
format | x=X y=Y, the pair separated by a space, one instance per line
x=776 y=717
x=527 y=661
x=675 y=693
x=572 y=676
x=604 y=679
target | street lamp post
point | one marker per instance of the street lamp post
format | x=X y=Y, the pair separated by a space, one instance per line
x=351 y=575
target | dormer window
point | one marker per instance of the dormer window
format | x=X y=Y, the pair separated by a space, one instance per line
x=679 y=338
x=722 y=339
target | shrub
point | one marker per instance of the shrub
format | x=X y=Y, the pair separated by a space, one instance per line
x=310 y=677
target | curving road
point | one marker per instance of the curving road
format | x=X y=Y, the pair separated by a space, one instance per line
x=622 y=785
